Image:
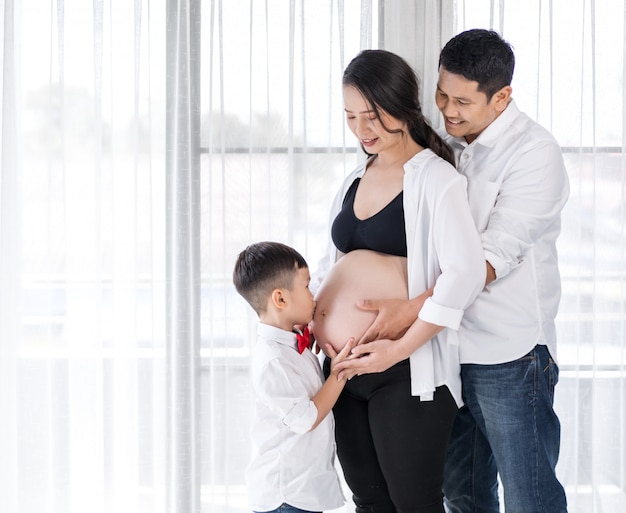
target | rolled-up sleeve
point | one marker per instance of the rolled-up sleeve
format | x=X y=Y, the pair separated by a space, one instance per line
x=531 y=196
x=280 y=389
x=455 y=256
x=301 y=417
x=440 y=315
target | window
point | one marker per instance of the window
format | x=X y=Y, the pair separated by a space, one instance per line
x=274 y=148
x=83 y=222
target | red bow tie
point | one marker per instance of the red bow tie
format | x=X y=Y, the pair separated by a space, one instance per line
x=303 y=340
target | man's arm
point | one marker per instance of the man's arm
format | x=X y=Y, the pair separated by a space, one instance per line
x=395 y=316
x=529 y=202
x=491 y=274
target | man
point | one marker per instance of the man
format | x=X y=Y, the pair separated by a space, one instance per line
x=517 y=187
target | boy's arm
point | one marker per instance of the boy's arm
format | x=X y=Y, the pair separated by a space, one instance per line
x=327 y=396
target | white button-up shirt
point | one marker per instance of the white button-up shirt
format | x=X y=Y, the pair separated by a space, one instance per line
x=289 y=463
x=443 y=249
x=517 y=187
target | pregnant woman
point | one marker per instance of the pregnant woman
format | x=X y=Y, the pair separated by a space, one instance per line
x=400 y=225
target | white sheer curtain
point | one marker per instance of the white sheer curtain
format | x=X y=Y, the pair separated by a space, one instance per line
x=417 y=31
x=82 y=239
x=108 y=400
x=103 y=404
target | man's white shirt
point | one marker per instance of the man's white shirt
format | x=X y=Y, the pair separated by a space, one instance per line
x=517 y=187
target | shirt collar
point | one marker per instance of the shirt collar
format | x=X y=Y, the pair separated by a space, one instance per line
x=281 y=336
x=490 y=135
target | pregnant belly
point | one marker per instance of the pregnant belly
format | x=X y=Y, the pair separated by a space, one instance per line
x=359 y=274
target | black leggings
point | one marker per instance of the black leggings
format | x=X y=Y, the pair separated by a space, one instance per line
x=392 y=446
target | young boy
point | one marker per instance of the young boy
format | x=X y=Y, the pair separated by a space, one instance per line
x=292 y=466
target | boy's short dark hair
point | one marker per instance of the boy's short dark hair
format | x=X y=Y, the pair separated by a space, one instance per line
x=482 y=56
x=263 y=267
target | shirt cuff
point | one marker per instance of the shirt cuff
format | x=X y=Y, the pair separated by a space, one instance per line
x=301 y=417
x=441 y=315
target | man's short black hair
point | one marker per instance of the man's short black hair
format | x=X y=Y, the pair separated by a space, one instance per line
x=263 y=267
x=481 y=56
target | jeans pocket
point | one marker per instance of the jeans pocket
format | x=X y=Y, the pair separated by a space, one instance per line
x=552 y=375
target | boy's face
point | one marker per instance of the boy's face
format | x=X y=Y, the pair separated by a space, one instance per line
x=465 y=110
x=301 y=302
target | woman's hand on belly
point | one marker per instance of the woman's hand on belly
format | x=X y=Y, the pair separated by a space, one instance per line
x=380 y=356
x=357 y=275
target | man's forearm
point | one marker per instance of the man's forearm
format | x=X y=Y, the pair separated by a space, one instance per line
x=491 y=273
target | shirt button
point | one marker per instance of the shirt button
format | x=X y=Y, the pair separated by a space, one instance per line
x=465 y=156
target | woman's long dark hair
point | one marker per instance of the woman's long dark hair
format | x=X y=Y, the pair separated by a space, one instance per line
x=389 y=83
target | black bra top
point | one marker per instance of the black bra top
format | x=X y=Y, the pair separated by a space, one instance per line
x=383 y=232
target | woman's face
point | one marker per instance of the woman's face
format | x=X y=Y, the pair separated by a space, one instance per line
x=367 y=127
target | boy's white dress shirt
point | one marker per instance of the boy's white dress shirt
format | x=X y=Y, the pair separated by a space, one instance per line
x=517 y=187
x=443 y=246
x=289 y=464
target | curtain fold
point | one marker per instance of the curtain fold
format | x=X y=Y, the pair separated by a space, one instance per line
x=9 y=256
x=82 y=261
x=417 y=31
x=183 y=256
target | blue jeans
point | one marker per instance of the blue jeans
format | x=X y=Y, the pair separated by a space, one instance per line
x=286 y=508
x=508 y=426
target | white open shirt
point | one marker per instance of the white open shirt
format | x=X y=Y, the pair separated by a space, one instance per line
x=443 y=249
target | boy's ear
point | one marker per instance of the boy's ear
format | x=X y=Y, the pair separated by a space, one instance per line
x=278 y=298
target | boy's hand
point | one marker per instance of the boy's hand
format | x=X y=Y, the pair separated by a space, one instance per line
x=336 y=358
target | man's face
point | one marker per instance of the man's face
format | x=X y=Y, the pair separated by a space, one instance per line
x=465 y=110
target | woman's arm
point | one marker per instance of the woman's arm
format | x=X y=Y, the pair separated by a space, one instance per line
x=375 y=351
x=395 y=316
